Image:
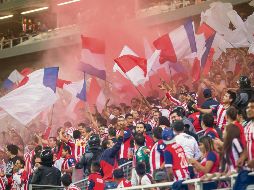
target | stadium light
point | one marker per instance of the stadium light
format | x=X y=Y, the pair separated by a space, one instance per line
x=34 y=10
x=68 y=2
x=4 y=17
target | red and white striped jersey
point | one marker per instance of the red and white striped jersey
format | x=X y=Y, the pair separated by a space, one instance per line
x=175 y=101
x=237 y=149
x=125 y=146
x=28 y=161
x=249 y=136
x=156 y=158
x=69 y=162
x=3 y=182
x=20 y=180
x=221 y=116
x=72 y=187
x=70 y=130
x=77 y=148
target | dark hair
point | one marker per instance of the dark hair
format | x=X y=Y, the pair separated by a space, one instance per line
x=38 y=149
x=37 y=155
x=22 y=161
x=208 y=120
x=157 y=132
x=66 y=180
x=127 y=115
x=68 y=124
x=232 y=113
x=178 y=126
x=76 y=134
x=157 y=111
x=139 y=139
x=232 y=95
x=232 y=132
x=208 y=143
x=177 y=113
x=67 y=148
x=141 y=168
x=83 y=125
x=164 y=121
x=113 y=121
x=13 y=149
x=105 y=143
x=111 y=131
x=88 y=129
x=118 y=173
x=96 y=166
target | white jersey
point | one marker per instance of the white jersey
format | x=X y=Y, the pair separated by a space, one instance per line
x=189 y=145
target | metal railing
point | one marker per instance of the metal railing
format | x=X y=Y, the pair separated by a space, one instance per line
x=44 y=187
x=198 y=183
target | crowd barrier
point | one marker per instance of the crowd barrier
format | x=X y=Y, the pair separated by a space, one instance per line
x=44 y=187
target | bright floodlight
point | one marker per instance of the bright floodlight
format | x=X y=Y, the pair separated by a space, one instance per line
x=4 y=17
x=68 y=2
x=34 y=10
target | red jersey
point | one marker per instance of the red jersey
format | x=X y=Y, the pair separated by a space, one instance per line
x=73 y=187
x=211 y=132
x=249 y=136
x=148 y=141
x=156 y=158
x=124 y=183
x=194 y=117
x=242 y=137
x=174 y=157
x=214 y=157
x=95 y=182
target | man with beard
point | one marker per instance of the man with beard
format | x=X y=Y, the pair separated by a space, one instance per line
x=141 y=129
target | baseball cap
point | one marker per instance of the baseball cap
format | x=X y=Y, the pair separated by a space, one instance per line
x=207 y=92
x=168 y=136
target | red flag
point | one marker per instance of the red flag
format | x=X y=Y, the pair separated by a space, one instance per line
x=94 y=92
x=206 y=30
x=60 y=83
x=195 y=70
x=209 y=62
x=128 y=62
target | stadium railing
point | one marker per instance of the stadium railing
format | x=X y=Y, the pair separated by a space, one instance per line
x=44 y=187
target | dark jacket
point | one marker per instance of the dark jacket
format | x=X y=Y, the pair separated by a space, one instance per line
x=47 y=176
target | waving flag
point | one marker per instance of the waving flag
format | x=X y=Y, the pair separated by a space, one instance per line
x=92 y=57
x=29 y=100
x=78 y=92
x=131 y=66
x=13 y=80
x=177 y=44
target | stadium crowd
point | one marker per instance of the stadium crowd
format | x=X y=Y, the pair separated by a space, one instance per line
x=198 y=131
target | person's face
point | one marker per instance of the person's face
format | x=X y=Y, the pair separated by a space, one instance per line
x=202 y=147
x=129 y=120
x=64 y=153
x=52 y=143
x=134 y=103
x=250 y=110
x=156 y=116
x=102 y=130
x=226 y=98
x=110 y=144
x=116 y=112
x=18 y=164
x=135 y=115
x=140 y=128
x=174 y=117
x=120 y=121
x=153 y=110
x=37 y=162
x=217 y=79
x=81 y=129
